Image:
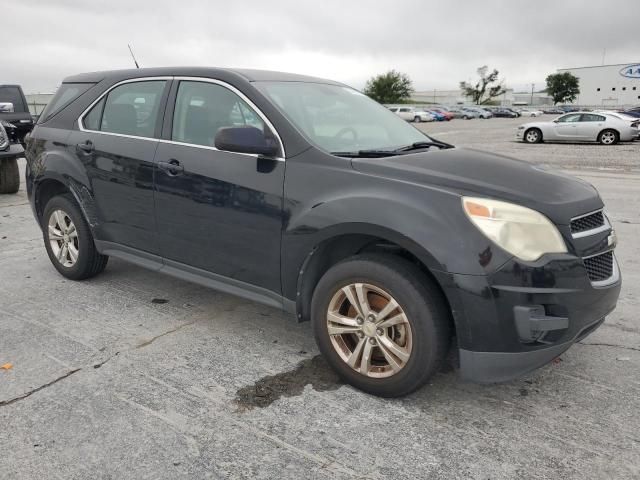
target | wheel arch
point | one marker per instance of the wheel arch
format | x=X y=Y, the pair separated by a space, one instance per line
x=51 y=185
x=339 y=244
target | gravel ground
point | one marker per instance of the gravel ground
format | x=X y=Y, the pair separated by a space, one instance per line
x=134 y=375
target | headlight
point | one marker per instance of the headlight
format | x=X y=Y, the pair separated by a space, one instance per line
x=4 y=138
x=523 y=232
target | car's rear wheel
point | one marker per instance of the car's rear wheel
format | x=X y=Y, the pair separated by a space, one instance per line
x=533 y=135
x=9 y=176
x=608 y=137
x=68 y=240
x=417 y=119
x=380 y=323
x=465 y=117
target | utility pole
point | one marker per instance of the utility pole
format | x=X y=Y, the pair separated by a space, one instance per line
x=533 y=85
x=604 y=53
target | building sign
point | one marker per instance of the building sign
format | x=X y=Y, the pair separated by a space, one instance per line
x=631 y=71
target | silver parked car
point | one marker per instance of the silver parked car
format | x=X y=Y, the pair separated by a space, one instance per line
x=604 y=128
x=412 y=114
x=481 y=112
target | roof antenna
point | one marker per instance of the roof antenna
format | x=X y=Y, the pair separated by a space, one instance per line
x=133 y=56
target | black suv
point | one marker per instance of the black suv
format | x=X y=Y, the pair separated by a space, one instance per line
x=304 y=194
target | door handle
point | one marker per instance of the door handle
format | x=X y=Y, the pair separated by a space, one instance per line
x=86 y=147
x=172 y=167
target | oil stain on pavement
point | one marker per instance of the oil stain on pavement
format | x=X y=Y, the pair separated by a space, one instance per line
x=313 y=371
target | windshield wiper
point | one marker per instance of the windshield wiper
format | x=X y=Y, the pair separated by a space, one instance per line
x=367 y=153
x=419 y=145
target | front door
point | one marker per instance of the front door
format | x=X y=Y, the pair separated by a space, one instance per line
x=116 y=144
x=217 y=211
x=566 y=127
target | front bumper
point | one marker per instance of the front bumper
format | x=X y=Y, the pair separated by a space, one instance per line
x=525 y=314
x=15 y=150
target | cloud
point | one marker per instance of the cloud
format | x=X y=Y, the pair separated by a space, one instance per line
x=436 y=43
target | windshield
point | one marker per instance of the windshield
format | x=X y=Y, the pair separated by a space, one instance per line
x=340 y=119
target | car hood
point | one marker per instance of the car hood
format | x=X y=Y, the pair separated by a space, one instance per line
x=471 y=172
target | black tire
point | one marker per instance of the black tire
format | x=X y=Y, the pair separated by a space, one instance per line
x=465 y=117
x=9 y=176
x=604 y=135
x=532 y=135
x=422 y=303
x=417 y=119
x=89 y=263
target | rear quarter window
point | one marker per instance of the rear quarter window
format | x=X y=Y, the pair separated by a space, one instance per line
x=66 y=94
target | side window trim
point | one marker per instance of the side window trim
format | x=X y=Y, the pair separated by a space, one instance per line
x=104 y=94
x=167 y=106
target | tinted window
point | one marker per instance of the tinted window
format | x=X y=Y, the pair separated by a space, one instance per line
x=92 y=119
x=13 y=95
x=575 y=117
x=590 y=117
x=66 y=94
x=130 y=109
x=204 y=108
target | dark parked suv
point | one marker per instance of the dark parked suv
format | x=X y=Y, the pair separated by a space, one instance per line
x=304 y=194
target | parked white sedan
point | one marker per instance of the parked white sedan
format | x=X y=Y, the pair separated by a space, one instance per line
x=529 y=113
x=411 y=114
x=604 y=128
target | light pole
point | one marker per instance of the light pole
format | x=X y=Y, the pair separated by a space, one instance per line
x=533 y=85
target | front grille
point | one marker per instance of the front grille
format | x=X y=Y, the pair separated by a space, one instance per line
x=588 y=222
x=599 y=267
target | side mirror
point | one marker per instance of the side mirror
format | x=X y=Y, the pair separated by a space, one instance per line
x=6 y=107
x=245 y=139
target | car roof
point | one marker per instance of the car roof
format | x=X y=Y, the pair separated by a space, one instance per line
x=245 y=74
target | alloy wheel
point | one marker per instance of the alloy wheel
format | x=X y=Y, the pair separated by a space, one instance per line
x=63 y=238
x=369 y=330
x=608 y=138
x=532 y=136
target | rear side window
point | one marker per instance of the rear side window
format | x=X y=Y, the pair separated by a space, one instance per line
x=13 y=95
x=130 y=109
x=66 y=94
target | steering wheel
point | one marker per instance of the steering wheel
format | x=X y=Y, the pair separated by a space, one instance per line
x=343 y=131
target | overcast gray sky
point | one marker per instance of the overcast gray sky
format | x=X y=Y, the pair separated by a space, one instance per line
x=438 y=43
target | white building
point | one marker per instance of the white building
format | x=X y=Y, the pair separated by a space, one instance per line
x=608 y=85
x=456 y=97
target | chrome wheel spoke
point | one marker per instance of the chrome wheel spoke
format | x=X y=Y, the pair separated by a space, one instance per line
x=396 y=320
x=59 y=216
x=73 y=253
x=386 y=344
x=62 y=254
x=357 y=353
x=389 y=307
x=361 y=291
x=71 y=230
x=365 y=363
x=335 y=317
x=350 y=293
x=54 y=234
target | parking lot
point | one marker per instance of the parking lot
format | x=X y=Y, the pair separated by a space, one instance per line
x=134 y=375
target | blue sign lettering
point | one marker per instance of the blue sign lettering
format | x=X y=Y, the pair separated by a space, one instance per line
x=631 y=71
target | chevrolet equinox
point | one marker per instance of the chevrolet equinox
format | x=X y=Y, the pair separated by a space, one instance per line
x=304 y=194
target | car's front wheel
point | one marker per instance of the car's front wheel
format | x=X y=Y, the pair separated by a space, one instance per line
x=417 y=119
x=533 y=135
x=68 y=240
x=381 y=324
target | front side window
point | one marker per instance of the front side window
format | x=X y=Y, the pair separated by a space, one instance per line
x=130 y=109
x=338 y=119
x=203 y=108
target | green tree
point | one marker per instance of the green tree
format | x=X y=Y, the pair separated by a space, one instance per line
x=390 y=87
x=486 y=88
x=563 y=87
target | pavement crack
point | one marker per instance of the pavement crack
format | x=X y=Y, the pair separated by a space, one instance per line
x=168 y=332
x=611 y=345
x=4 y=403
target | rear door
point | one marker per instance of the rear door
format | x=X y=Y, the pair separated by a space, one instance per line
x=217 y=212
x=116 y=143
x=590 y=125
